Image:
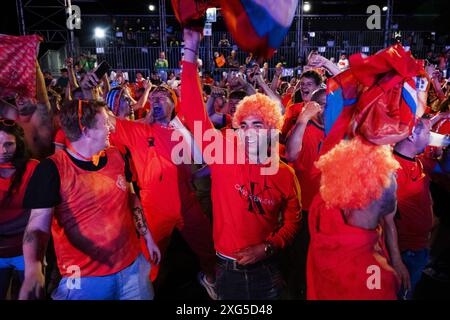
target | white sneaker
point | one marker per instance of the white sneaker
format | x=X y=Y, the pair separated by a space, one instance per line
x=210 y=287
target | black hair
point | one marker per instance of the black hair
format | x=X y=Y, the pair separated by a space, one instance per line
x=19 y=160
x=311 y=74
x=297 y=97
x=207 y=89
x=238 y=94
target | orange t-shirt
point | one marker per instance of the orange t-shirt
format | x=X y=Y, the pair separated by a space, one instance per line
x=164 y=186
x=342 y=259
x=414 y=217
x=93 y=226
x=290 y=117
x=60 y=139
x=308 y=176
x=13 y=212
x=246 y=204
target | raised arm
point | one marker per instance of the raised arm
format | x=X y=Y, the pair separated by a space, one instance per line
x=269 y=92
x=216 y=118
x=72 y=78
x=143 y=99
x=41 y=88
x=295 y=138
x=276 y=78
x=192 y=107
x=35 y=242
x=316 y=61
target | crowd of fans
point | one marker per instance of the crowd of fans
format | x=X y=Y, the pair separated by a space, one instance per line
x=249 y=232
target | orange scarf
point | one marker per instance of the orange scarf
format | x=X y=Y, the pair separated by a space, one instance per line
x=95 y=158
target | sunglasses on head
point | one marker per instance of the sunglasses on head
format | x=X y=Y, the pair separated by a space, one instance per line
x=8 y=122
x=80 y=113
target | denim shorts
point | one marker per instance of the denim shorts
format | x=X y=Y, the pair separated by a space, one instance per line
x=131 y=283
x=15 y=263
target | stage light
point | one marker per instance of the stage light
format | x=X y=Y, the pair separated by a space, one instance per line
x=385 y=8
x=99 y=33
x=151 y=7
x=306 y=6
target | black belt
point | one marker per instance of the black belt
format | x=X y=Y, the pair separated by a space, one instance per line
x=230 y=264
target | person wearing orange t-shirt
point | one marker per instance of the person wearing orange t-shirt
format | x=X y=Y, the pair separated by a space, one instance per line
x=353 y=253
x=248 y=201
x=302 y=151
x=81 y=196
x=309 y=82
x=415 y=218
x=16 y=168
x=167 y=197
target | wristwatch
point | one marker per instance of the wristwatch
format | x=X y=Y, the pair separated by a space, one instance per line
x=268 y=248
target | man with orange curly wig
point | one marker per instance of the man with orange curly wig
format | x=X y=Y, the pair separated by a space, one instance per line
x=256 y=213
x=347 y=258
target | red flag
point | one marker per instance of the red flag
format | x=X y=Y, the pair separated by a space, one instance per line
x=18 y=61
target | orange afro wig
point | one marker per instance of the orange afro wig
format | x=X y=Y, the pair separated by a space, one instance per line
x=259 y=105
x=355 y=173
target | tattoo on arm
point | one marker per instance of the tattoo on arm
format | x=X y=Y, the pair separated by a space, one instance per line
x=28 y=237
x=139 y=220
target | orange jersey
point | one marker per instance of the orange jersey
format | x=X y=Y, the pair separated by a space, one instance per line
x=346 y=262
x=14 y=208
x=414 y=217
x=164 y=186
x=308 y=176
x=93 y=226
x=290 y=117
x=246 y=204
x=13 y=212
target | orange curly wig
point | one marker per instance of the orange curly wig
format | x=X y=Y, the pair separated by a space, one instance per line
x=259 y=105
x=355 y=173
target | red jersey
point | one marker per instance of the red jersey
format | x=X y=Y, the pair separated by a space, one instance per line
x=308 y=176
x=93 y=225
x=345 y=261
x=286 y=99
x=290 y=117
x=164 y=186
x=60 y=139
x=414 y=217
x=246 y=204
x=13 y=217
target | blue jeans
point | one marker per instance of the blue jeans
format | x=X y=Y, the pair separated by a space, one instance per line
x=415 y=262
x=131 y=283
x=260 y=281
x=7 y=267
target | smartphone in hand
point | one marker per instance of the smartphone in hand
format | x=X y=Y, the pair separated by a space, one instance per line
x=102 y=69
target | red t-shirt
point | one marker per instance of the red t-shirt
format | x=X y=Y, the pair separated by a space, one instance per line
x=290 y=117
x=343 y=259
x=13 y=217
x=142 y=112
x=164 y=186
x=60 y=139
x=286 y=99
x=414 y=217
x=93 y=226
x=308 y=176
x=246 y=204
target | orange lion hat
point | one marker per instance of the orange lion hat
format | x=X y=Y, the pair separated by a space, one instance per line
x=259 y=105
x=355 y=173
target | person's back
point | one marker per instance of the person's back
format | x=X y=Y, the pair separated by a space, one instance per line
x=347 y=258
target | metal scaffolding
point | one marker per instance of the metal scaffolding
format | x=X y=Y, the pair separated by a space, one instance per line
x=387 y=30
x=45 y=20
x=162 y=25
